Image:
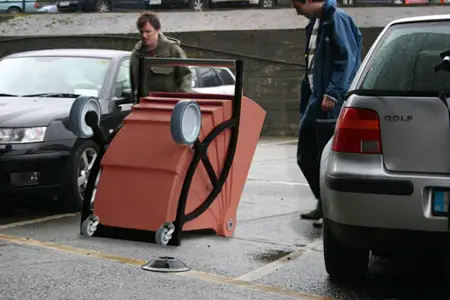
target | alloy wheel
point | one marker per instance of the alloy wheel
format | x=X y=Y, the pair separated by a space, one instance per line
x=197 y=4
x=103 y=6
x=85 y=164
x=267 y=3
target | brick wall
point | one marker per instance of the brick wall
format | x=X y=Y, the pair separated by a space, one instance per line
x=272 y=62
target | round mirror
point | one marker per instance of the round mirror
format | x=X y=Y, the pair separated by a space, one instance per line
x=77 y=115
x=186 y=122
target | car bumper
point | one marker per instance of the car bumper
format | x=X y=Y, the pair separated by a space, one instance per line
x=74 y=5
x=28 y=171
x=357 y=191
x=387 y=239
x=70 y=7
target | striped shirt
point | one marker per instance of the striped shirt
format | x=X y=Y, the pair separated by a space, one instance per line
x=312 y=50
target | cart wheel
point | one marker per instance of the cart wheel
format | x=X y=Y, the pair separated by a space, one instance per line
x=89 y=226
x=164 y=233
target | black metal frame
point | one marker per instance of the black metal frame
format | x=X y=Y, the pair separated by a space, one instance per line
x=200 y=148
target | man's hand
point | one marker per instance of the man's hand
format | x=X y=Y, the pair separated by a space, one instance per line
x=327 y=104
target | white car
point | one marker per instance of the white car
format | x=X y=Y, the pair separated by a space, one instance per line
x=213 y=80
x=385 y=174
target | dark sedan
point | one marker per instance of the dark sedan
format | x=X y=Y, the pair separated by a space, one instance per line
x=39 y=156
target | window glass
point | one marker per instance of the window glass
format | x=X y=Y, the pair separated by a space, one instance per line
x=123 y=78
x=226 y=77
x=35 y=75
x=405 y=58
x=194 y=78
x=209 y=77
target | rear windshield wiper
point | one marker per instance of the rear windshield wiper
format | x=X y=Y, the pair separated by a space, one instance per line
x=7 y=95
x=56 y=95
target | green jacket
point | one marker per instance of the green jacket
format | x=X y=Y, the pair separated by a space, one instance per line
x=161 y=79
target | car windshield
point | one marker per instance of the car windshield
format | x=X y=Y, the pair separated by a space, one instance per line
x=52 y=75
x=404 y=60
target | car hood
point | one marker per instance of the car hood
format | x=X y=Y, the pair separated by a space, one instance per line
x=30 y=112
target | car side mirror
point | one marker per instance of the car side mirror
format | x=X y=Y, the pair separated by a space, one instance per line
x=126 y=97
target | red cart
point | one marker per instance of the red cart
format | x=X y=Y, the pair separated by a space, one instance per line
x=178 y=162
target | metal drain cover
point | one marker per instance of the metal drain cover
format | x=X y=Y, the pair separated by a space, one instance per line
x=166 y=264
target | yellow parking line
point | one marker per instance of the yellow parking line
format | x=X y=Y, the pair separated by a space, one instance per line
x=190 y=274
x=35 y=221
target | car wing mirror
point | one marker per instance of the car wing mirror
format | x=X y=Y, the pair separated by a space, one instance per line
x=126 y=97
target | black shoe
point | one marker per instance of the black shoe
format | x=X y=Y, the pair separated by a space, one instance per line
x=315 y=214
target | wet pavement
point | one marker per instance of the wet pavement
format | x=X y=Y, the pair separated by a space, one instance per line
x=272 y=255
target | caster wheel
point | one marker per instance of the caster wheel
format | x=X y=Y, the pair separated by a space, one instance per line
x=164 y=234
x=89 y=226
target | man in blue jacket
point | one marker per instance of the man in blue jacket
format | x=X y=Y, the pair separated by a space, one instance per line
x=332 y=57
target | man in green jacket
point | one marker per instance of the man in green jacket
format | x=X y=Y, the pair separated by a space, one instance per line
x=154 y=43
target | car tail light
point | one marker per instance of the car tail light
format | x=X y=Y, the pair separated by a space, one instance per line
x=37 y=5
x=357 y=131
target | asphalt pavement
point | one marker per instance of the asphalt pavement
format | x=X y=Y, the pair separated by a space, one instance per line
x=272 y=255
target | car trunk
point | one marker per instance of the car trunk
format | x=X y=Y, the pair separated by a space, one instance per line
x=415 y=131
x=415 y=134
x=400 y=76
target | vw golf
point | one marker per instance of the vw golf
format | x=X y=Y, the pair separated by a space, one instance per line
x=385 y=174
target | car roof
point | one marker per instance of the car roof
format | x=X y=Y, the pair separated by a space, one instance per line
x=420 y=19
x=103 y=53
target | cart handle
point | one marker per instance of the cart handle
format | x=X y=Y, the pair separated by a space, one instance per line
x=173 y=62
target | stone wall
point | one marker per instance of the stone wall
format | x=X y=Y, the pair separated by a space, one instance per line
x=273 y=62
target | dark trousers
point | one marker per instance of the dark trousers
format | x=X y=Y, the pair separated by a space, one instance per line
x=313 y=136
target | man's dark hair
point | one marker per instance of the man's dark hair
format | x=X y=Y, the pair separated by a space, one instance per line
x=148 y=17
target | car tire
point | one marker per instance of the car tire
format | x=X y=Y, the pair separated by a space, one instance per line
x=78 y=170
x=343 y=262
x=14 y=10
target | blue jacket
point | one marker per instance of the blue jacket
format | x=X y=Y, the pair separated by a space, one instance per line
x=337 y=59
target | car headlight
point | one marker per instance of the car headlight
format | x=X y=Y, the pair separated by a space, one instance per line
x=22 y=135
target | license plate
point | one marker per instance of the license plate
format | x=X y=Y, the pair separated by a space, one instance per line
x=440 y=202
x=155 y=2
x=64 y=3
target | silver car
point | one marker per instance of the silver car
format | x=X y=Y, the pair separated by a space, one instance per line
x=385 y=174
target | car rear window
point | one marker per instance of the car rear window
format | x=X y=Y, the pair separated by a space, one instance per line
x=405 y=57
